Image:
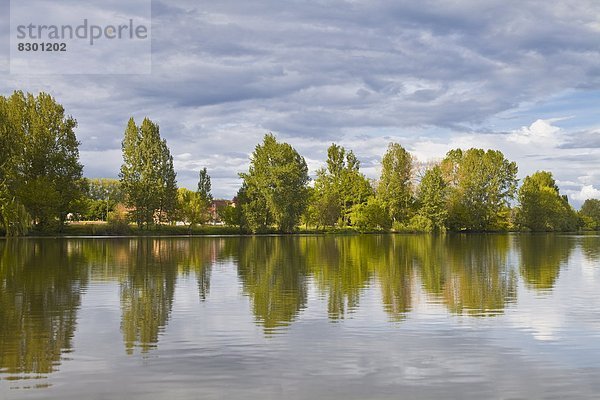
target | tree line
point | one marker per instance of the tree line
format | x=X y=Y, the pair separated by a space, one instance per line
x=469 y=190
x=42 y=186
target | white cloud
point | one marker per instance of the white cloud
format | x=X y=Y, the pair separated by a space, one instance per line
x=586 y=192
x=541 y=131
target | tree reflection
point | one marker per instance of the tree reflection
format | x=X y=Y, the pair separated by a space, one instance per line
x=590 y=245
x=41 y=282
x=541 y=258
x=273 y=274
x=199 y=257
x=341 y=267
x=147 y=292
x=394 y=268
x=469 y=273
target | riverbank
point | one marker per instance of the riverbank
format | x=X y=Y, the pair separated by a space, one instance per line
x=100 y=228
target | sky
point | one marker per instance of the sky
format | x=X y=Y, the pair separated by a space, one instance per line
x=519 y=76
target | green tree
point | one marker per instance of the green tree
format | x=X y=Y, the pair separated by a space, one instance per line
x=147 y=175
x=590 y=214
x=542 y=208
x=105 y=188
x=204 y=195
x=275 y=186
x=340 y=186
x=191 y=208
x=370 y=216
x=324 y=208
x=101 y=197
x=40 y=173
x=395 y=187
x=481 y=184
x=432 y=197
x=204 y=186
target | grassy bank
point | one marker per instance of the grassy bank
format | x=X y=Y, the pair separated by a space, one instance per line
x=98 y=228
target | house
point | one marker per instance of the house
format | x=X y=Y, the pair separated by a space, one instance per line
x=216 y=205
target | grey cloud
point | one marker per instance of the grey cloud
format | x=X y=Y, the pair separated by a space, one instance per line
x=226 y=72
x=582 y=140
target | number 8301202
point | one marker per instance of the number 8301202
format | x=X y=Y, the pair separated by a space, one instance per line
x=44 y=46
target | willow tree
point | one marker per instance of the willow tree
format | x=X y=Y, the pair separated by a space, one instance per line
x=147 y=174
x=275 y=186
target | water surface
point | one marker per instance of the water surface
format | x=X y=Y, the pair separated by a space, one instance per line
x=301 y=317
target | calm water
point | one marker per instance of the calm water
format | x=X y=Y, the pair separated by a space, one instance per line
x=377 y=317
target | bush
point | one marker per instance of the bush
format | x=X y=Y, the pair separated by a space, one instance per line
x=118 y=222
x=370 y=216
x=418 y=223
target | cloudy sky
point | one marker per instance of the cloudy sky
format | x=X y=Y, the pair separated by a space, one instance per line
x=519 y=76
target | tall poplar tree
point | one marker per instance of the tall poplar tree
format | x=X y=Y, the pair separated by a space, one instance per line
x=204 y=187
x=395 y=187
x=147 y=173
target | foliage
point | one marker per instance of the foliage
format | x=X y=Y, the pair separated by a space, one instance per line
x=118 y=222
x=40 y=173
x=370 y=216
x=590 y=214
x=275 y=186
x=204 y=187
x=433 y=197
x=339 y=187
x=481 y=184
x=323 y=209
x=417 y=224
x=15 y=218
x=105 y=189
x=230 y=215
x=542 y=208
x=192 y=208
x=147 y=175
x=395 y=187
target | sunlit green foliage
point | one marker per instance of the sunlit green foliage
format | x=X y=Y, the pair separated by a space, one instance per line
x=275 y=187
x=339 y=187
x=433 y=197
x=481 y=184
x=590 y=214
x=40 y=173
x=395 y=187
x=370 y=216
x=542 y=208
